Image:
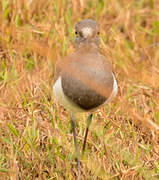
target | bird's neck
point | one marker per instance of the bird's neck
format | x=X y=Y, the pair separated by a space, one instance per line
x=87 y=48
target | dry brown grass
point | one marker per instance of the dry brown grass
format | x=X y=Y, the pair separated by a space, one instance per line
x=36 y=142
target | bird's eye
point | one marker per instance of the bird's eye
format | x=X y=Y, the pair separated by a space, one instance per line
x=76 y=33
x=98 y=33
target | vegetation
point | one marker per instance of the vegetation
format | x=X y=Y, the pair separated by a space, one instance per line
x=35 y=133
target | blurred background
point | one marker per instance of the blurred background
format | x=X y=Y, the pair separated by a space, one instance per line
x=35 y=133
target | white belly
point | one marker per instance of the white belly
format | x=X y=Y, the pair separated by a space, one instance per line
x=63 y=100
x=69 y=104
x=114 y=92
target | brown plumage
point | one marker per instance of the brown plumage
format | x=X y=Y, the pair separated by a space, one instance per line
x=84 y=80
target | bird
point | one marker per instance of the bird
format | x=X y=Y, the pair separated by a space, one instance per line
x=84 y=80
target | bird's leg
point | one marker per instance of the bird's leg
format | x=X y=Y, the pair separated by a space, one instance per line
x=73 y=123
x=89 y=120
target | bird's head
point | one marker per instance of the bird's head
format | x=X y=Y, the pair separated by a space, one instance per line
x=87 y=32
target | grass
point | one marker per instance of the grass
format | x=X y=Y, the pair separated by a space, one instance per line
x=35 y=137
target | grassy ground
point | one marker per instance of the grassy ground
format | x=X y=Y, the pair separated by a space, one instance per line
x=36 y=142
